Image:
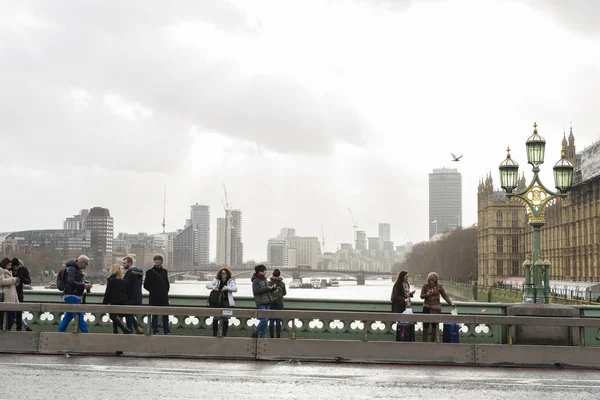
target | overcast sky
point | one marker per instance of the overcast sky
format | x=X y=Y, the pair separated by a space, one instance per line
x=304 y=108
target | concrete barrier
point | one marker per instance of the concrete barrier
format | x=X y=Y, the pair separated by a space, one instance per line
x=363 y=349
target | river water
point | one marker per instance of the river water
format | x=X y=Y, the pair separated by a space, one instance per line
x=348 y=290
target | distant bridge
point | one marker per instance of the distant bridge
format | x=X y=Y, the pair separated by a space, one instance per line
x=296 y=273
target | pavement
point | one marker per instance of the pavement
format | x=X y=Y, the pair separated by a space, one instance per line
x=86 y=377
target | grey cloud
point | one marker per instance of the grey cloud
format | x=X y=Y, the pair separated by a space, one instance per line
x=123 y=49
x=581 y=16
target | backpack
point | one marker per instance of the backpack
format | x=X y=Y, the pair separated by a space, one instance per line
x=61 y=280
x=276 y=295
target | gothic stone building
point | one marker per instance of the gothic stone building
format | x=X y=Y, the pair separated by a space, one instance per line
x=569 y=239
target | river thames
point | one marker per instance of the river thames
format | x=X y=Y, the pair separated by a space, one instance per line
x=348 y=290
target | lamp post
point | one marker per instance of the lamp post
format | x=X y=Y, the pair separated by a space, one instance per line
x=536 y=198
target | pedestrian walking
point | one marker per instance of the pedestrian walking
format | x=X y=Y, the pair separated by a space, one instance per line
x=157 y=285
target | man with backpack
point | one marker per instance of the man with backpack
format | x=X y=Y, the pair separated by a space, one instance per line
x=157 y=285
x=74 y=286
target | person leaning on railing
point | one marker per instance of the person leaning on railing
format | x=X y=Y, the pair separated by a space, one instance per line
x=401 y=293
x=9 y=292
x=430 y=293
x=261 y=291
x=275 y=323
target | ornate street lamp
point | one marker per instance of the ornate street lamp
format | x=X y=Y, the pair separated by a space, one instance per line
x=536 y=198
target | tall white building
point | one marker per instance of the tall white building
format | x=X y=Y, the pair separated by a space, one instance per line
x=385 y=232
x=76 y=222
x=230 y=248
x=287 y=233
x=308 y=250
x=221 y=232
x=279 y=253
x=445 y=200
x=237 y=247
x=200 y=220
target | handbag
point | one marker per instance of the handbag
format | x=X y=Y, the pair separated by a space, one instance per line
x=215 y=299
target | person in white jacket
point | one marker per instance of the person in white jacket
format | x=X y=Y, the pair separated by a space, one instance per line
x=224 y=284
x=8 y=286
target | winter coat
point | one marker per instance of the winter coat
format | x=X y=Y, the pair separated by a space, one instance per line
x=431 y=296
x=260 y=290
x=278 y=282
x=134 y=277
x=399 y=297
x=157 y=285
x=9 y=288
x=231 y=287
x=74 y=280
x=116 y=291
x=22 y=273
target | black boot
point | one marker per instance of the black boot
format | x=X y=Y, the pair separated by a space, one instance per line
x=271 y=330
x=215 y=326
x=225 y=324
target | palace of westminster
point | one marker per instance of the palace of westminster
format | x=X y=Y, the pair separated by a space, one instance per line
x=569 y=239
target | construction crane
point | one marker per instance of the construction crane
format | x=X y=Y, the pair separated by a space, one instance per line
x=227 y=209
x=164 y=209
x=354 y=224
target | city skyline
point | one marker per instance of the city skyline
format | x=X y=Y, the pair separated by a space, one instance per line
x=301 y=125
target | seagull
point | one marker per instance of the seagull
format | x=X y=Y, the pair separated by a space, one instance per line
x=454 y=158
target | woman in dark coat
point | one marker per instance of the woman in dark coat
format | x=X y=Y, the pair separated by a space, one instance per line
x=401 y=293
x=116 y=294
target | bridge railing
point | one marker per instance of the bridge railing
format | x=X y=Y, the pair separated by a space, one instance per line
x=366 y=346
x=309 y=324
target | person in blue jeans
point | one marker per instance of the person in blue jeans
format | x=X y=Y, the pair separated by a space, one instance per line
x=73 y=293
x=261 y=291
x=157 y=285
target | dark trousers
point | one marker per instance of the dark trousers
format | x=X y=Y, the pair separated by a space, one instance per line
x=165 y=324
x=275 y=323
x=224 y=322
x=10 y=320
x=434 y=326
x=117 y=323
x=131 y=321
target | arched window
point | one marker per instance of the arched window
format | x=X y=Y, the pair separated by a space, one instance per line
x=499 y=218
x=515 y=219
x=499 y=244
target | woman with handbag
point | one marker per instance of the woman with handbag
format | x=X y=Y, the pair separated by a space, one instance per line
x=9 y=284
x=116 y=294
x=221 y=296
x=401 y=295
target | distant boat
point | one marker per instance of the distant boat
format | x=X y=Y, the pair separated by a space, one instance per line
x=51 y=286
x=318 y=283
x=295 y=284
x=334 y=282
x=27 y=287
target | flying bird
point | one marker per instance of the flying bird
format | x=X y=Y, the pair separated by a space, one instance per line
x=454 y=158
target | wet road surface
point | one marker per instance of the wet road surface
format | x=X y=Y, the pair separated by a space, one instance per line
x=85 y=377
